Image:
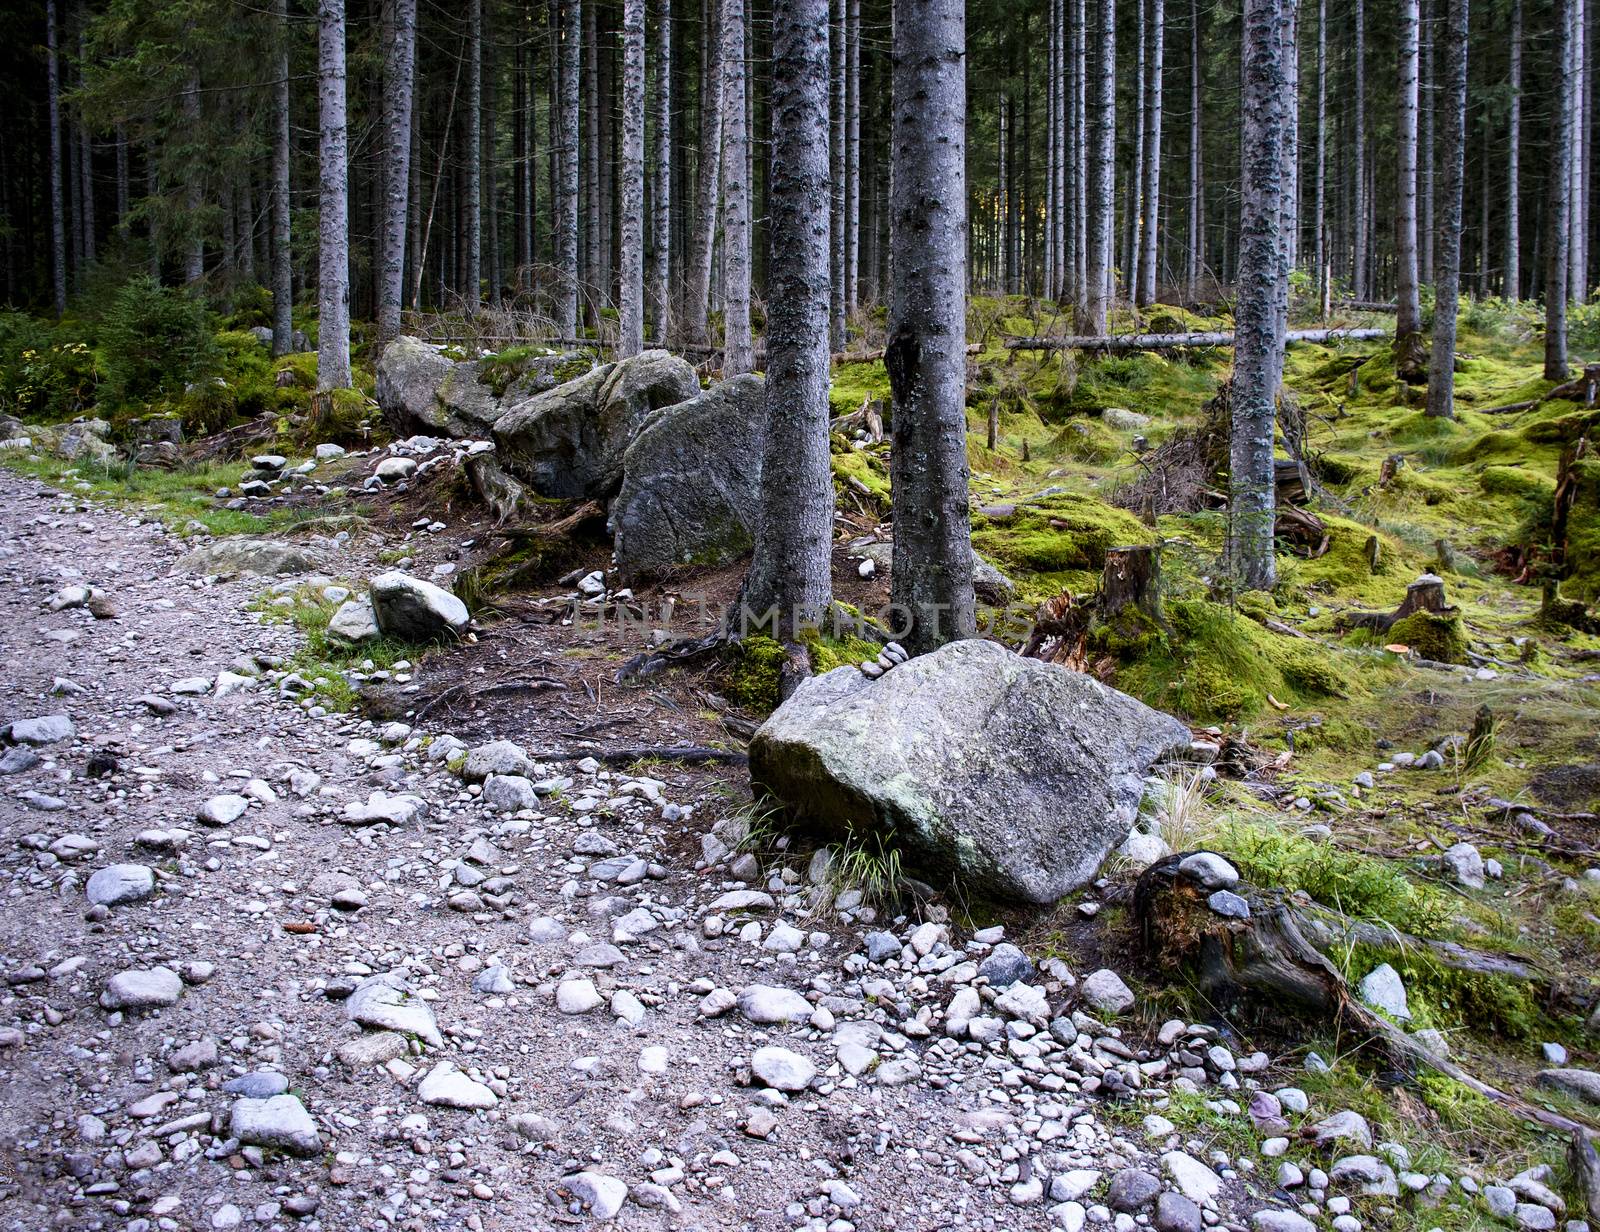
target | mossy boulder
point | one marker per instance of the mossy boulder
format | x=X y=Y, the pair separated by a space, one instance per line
x=1008 y=775
x=1432 y=635
x=691 y=482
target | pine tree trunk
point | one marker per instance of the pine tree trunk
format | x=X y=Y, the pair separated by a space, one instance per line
x=931 y=576
x=697 y=293
x=1558 y=217
x=1152 y=153
x=1428 y=84
x=1196 y=250
x=1512 y=282
x=1447 y=247
x=566 y=225
x=399 y=84
x=282 y=288
x=852 y=159
x=86 y=152
x=1319 y=210
x=836 y=55
x=1258 y=345
x=1359 y=279
x=1133 y=196
x=630 y=302
x=1102 y=174
x=593 y=288
x=1577 y=260
x=791 y=572
x=1051 y=210
x=1410 y=357
x=333 y=264
x=58 y=222
x=738 y=357
x=1080 y=158
x=194 y=264
x=661 y=178
x=472 y=154
x=489 y=201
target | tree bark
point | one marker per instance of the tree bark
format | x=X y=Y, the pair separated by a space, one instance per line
x=1359 y=271
x=1512 y=282
x=399 y=84
x=931 y=576
x=1197 y=241
x=1558 y=205
x=58 y=225
x=661 y=179
x=1258 y=347
x=737 y=356
x=1102 y=175
x=1409 y=354
x=791 y=572
x=591 y=275
x=282 y=289
x=1447 y=247
x=1319 y=240
x=630 y=299
x=566 y=222
x=194 y=263
x=852 y=158
x=1577 y=271
x=697 y=293
x=333 y=265
x=1146 y=291
x=836 y=162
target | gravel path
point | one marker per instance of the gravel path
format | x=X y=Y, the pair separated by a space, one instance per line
x=575 y=1004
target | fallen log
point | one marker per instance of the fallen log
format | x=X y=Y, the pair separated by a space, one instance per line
x=1263 y=958
x=688 y=754
x=1175 y=342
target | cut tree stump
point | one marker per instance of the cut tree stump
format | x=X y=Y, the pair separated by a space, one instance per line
x=1426 y=594
x=1131 y=578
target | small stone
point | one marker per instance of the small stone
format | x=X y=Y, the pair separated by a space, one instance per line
x=142 y=989
x=1131 y=1190
x=578 y=997
x=1383 y=989
x=782 y=1069
x=121 y=883
x=601 y=1195
x=1209 y=870
x=280 y=1122
x=447 y=1087
x=766 y=1005
x=1105 y=990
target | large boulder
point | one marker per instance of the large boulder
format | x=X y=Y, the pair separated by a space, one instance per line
x=421 y=390
x=691 y=482
x=1012 y=776
x=569 y=441
x=412 y=610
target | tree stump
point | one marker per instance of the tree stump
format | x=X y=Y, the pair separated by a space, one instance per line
x=1131 y=578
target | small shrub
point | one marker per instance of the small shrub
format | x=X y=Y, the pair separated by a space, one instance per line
x=155 y=340
x=43 y=377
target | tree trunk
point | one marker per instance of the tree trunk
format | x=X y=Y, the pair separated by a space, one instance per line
x=836 y=162
x=1360 y=282
x=630 y=298
x=333 y=264
x=1409 y=354
x=737 y=355
x=661 y=179
x=1080 y=158
x=1102 y=174
x=697 y=293
x=926 y=354
x=566 y=197
x=282 y=288
x=1133 y=197
x=1512 y=282
x=1428 y=84
x=1319 y=241
x=1151 y=195
x=1558 y=205
x=1447 y=247
x=791 y=572
x=1196 y=253
x=86 y=152
x=399 y=84
x=1577 y=281
x=194 y=264
x=58 y=223
x=1258 y=347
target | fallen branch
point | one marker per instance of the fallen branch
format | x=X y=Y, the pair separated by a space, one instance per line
x=1174 y=342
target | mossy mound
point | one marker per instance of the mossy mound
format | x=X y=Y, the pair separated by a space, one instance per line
x=1212 y=663
x=1440 y=638
x=1583 y=533
x=1060 y=539
x=862 y=471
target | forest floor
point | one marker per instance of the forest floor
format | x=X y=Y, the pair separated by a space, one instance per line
x=114 y=1118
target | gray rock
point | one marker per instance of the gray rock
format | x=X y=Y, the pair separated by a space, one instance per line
x=1005 y=965
x=782 y=1069
x=601 y=1195
x=355 y=621
x=506 y=793
x=1383 y=989
x=1347 y=1127
x=261 y=1084
x=384 y=1002
x=496 y=757
x=264 y=557
x=137 y=989
x=1014 y=775
x=1131 y=1190
x=280 y=1122
x=1228 y=904
x=412 y=610
x=1584 y=1084
x=1210 y=870
x=420 y=390
x=691 y=482
x=1176 y=1213
x=47 y=729
x=882 y=946
x=121 y=883
x=1464 y=863
x=569 y=442
x=1275 y=1220
x=18 y=760
x=448 y=1087
x=1104 y=990
x=766 y=1005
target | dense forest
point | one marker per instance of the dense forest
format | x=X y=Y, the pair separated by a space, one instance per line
x=800 y=614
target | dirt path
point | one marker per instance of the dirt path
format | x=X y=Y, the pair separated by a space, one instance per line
x=124 y=1119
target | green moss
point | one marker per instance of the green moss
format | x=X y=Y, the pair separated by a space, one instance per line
x=829 y=651
x=862 y=471
x=1452 y=1000
x=1514 y=481
x=1056 y=535
x=1440 y=638
x=1583 y=533
x=753 y=674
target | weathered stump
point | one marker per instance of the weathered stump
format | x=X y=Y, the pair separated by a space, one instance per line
x=1131 y=578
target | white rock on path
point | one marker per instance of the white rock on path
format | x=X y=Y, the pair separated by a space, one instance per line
x=223 y=810
x=448 y=1087
x=782 y=1069
x=765 y=1005
x=355 y=621
x=280 y=1122
x=602 y=1196
x=120 y=883
x=384 y=1003
x=1104 y=990
x=142 y=989
x=47 y=729
x=578 y=996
